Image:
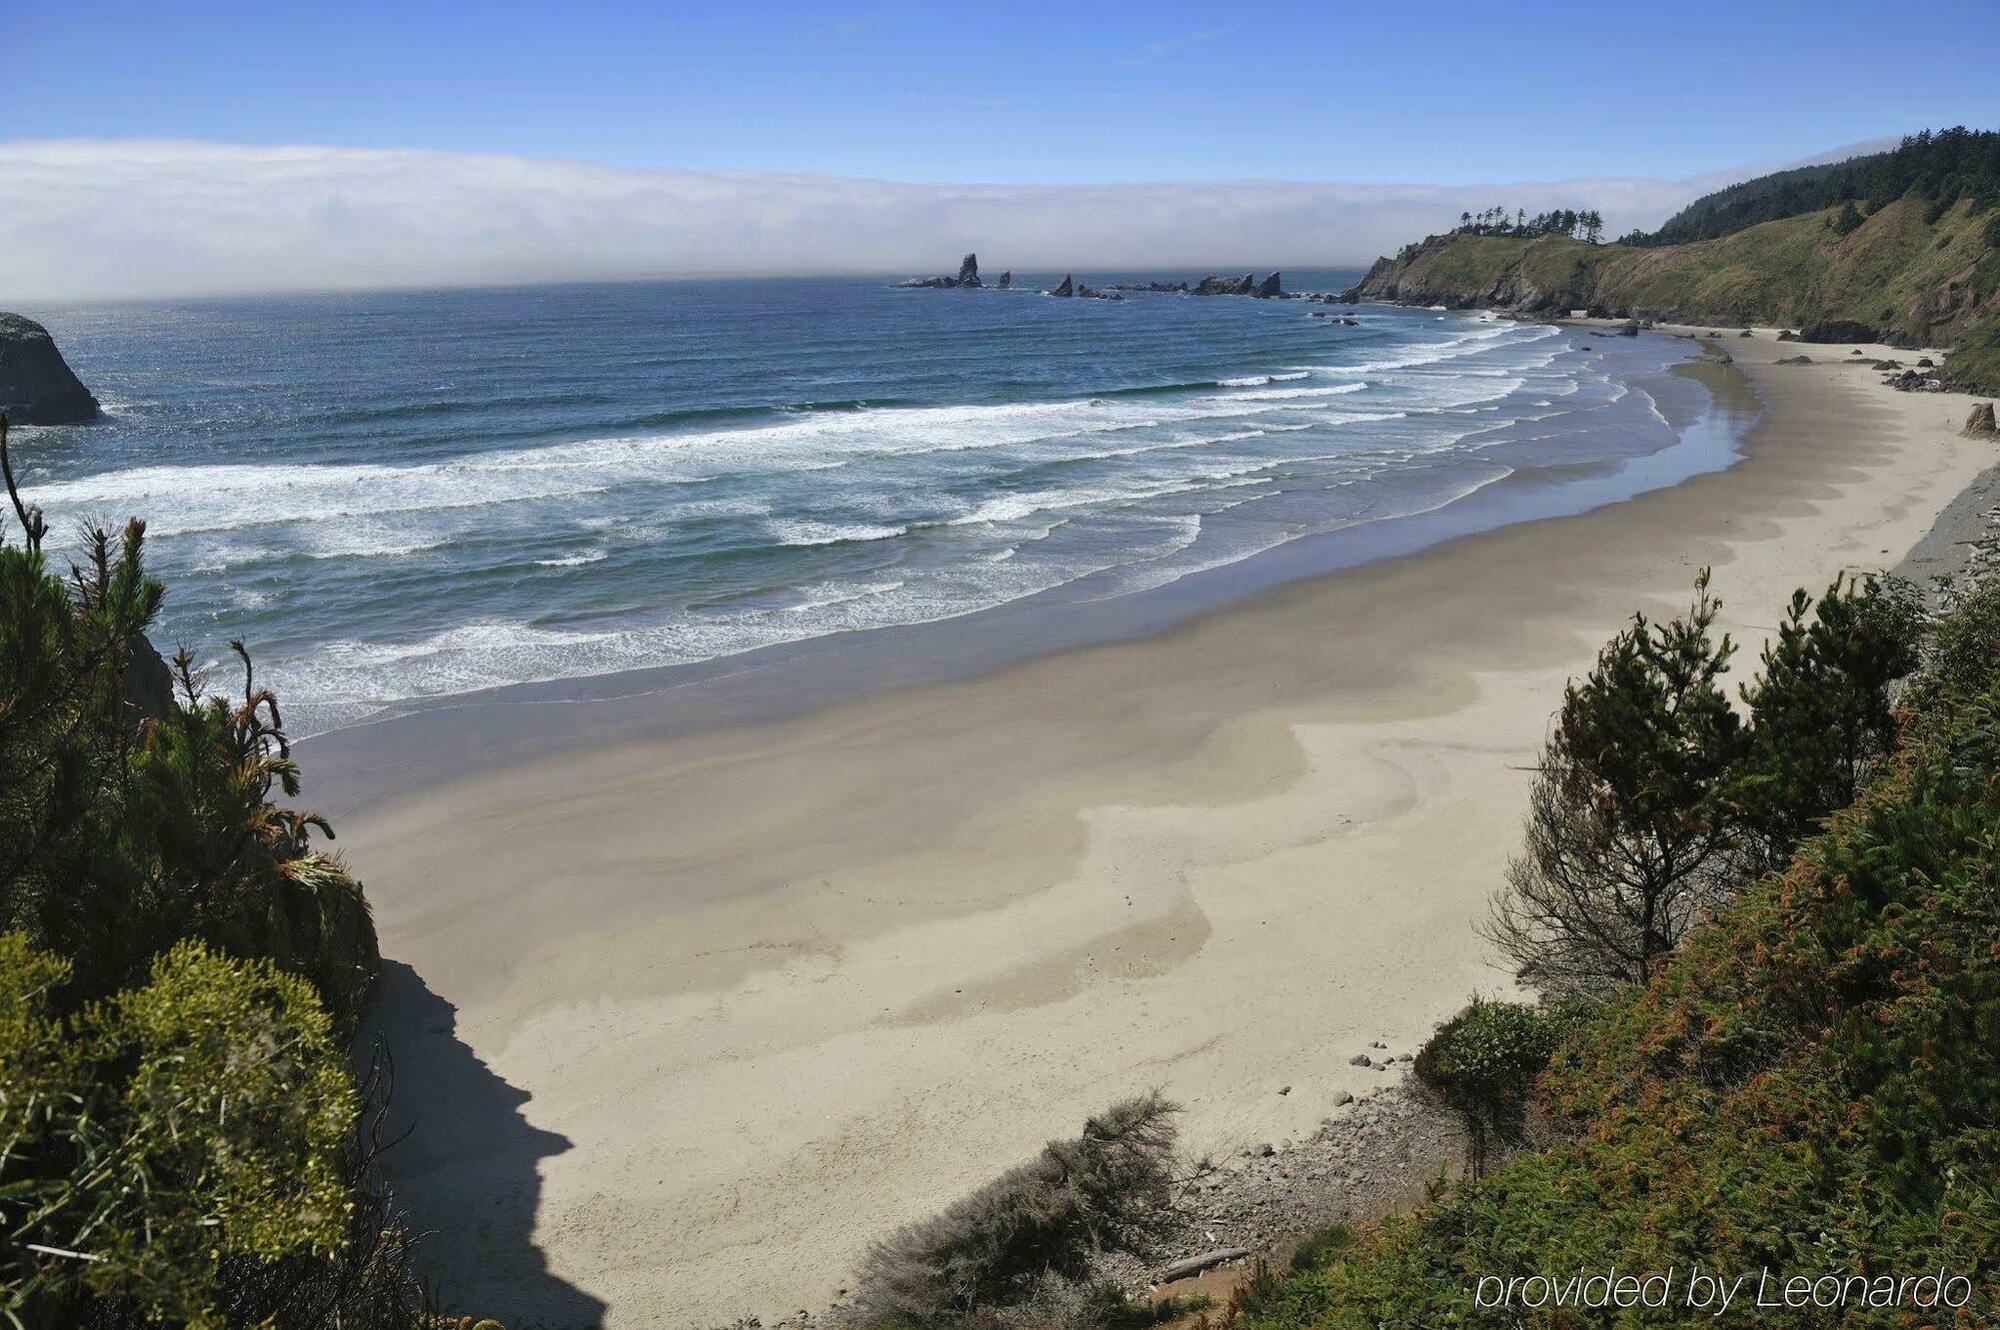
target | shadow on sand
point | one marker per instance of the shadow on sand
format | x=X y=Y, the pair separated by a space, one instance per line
x=466 y=1174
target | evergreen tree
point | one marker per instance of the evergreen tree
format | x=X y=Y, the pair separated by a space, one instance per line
x=1628 y=824
x=1820 y=714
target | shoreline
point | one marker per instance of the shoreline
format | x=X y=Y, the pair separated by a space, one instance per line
x=415 y=741
x=740 y=1000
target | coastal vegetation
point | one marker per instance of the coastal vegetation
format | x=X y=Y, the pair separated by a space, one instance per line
x=1805 y=1085
x=1939 y=166
x=1904 y=248
x=182 y=1137
x=1039 y=1224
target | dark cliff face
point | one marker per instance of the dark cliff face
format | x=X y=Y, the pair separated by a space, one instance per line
x=36 y=386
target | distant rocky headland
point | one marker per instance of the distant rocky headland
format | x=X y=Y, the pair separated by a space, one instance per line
x=1270 y=288
x=36 y=385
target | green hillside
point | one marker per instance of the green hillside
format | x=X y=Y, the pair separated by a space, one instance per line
x=1940 y=167
x=1907 y=276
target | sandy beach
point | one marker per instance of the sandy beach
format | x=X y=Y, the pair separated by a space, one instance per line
x=686 y=1022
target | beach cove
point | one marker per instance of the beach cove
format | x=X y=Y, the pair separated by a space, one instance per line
x=738 y=999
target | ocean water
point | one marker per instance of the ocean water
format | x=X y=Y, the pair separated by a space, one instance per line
x=403 y=496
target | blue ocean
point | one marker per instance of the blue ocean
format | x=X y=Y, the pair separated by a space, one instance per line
x=409 y=495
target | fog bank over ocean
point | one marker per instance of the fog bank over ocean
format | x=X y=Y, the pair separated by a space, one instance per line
x=96 y=219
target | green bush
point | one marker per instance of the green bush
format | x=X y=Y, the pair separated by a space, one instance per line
x=158 y=1133
x=1482 y=1063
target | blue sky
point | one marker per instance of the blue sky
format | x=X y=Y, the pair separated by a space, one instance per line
x=1430 y=92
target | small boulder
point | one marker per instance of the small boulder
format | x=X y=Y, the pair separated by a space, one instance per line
x=1796 y=360
x=1925 y=362
x=1745 y=333
x=1630 y=328
x=1980 y=424
x=1359 y=1060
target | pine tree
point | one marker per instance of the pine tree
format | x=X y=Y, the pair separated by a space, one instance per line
x=1628 y=827
x=1820 y=713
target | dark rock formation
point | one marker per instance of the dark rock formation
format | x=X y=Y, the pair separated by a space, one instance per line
x=36 y=386
x=1837 y=330
x=1065 y=287
x=1630 y=328
x=1006 y=279
x=1795 y=360
x=1269 y=287
x=1227 y=286
x=1166 y=287
x=968 y=276
x=1787 y=335
x=1981 y=424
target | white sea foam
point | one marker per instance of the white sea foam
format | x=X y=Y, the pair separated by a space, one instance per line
x=1259 y=380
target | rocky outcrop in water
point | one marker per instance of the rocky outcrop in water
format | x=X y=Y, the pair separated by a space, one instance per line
x=1006 y=280
x=1065 y=287
x=968 y=277
x=36 y=385
x=1269 y=288
x=1227 y=286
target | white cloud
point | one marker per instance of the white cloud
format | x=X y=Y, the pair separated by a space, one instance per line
x=148 y=218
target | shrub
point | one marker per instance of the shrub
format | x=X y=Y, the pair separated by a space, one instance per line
x=1106 y=1190
x=1482 y=1063
x=154 y=1135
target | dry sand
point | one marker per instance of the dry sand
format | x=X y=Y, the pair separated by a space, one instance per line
x=729 y=1005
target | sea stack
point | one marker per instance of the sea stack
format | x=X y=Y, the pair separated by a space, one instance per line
x=968 y=271
x=36 y=385
x=1065 y=287
x=1269 y=288
x=1006 y=279
x=1227 y=286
